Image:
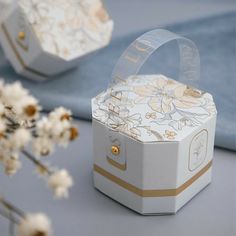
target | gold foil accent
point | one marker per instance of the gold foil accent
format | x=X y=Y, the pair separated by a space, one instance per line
x=132 y=59
x=151 y=192
x=116 y=164
x=203 y=130
x=26 y=48
x=142 y=47
x=192 y=92
x=17 y=54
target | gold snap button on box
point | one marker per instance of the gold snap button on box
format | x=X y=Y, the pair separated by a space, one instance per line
x=21 y=35
x=115 y=150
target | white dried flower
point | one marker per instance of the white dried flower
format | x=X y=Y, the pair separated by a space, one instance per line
x=60 y=181
x=19 y=124
x=11 y=164
x=20 y=138
x=44 y=127
x=2 y=128
x=42 y=146
x=24 y=105
x=35 y=225
x=27 y=108
x=53 y=128
x=60 y=132
x=60 y=114
x=13 y=93
x=2 y=109
x=3 y=154
x=68 y=133
x=57 y=127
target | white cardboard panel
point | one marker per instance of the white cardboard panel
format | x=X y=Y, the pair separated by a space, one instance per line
x=27 y=56
x=152 y=166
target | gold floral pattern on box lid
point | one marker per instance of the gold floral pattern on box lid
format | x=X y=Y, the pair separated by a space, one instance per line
x=68 y=28
x=153 y=108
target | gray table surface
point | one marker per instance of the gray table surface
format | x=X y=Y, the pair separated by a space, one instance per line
x=88 y=212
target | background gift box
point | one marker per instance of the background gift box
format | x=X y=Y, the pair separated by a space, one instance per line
x=42 y=39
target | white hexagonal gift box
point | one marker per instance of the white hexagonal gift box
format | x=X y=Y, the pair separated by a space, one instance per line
x=44 y=38
x=153 y=136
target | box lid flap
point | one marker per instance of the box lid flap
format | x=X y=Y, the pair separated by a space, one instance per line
x=68 y=29
x=153 y=108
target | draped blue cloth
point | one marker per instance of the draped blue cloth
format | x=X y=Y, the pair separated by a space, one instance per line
x=215 y=38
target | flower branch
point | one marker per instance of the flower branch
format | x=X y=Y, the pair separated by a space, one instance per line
x=23 y=130
x=36 y=224
x=21 y=125
x=11 y=207
x=40 y=166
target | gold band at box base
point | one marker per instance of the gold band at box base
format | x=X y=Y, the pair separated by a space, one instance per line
x=116 y=164
x=18 y=56
x=151 y=192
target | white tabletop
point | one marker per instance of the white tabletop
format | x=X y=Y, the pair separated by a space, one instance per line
x=88 y=212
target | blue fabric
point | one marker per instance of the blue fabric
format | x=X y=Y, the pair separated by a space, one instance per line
x=215 y=37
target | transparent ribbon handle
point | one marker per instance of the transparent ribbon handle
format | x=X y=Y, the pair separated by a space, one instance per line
x=141 y=49
x=128 y=65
